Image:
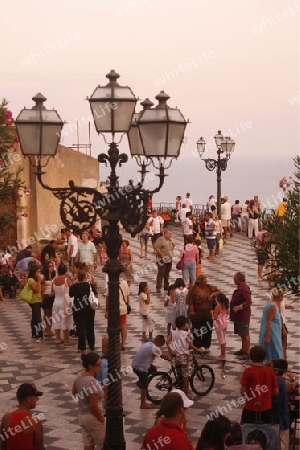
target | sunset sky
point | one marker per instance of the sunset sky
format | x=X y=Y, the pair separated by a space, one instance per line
x=226 y=64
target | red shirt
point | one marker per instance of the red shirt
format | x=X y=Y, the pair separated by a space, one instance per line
x=260 y=384
x=168 y=436
x=20 y=439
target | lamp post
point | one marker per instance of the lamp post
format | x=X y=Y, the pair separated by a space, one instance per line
x=225 y=145
x=155 y=136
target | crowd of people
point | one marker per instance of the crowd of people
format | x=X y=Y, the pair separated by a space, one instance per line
x=194 y=310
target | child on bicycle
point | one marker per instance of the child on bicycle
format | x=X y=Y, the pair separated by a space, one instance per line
x=145 y=310
x=179 y=343
x=169 y=303
x=220 y=316
x=143 y=367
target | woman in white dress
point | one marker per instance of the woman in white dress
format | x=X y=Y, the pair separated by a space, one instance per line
x=60 y=319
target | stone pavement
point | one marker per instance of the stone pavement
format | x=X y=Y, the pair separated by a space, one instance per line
x=53 y=367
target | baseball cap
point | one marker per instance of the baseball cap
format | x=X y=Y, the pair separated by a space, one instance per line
x=27 y=390
x=186 y=401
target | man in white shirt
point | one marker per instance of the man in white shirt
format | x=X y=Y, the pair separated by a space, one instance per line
x=226 y=216
x=87 y=251
x=188 y=202
x=72 y=247
x=183 y=211
x=187 y=227
x=157 y=224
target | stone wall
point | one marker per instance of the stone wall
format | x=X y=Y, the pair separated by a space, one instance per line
x=38 y=212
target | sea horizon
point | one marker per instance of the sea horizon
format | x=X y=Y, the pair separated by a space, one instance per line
x=244 y=178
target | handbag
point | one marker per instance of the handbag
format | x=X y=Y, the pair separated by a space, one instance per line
x=199 y=269
x=26 y=294
x=93 y=300
x=179 y=265
x=68 y=300
x=127 y=304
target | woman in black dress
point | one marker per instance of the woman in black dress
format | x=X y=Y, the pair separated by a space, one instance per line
x=83 y=314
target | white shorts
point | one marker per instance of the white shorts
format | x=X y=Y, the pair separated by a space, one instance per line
x=93 y=431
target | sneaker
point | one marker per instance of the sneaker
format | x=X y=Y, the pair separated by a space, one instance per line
x=39 y=340
x=239 y=352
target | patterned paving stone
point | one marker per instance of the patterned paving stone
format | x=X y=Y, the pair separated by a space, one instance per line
x=54 y=367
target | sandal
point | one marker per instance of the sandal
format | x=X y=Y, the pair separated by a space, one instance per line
x=59 y=342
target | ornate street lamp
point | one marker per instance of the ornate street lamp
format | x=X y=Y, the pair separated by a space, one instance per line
x=225 y=145
x=39 y=129
x=155 y=135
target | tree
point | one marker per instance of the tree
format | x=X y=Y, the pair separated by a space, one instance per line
x=10 y=181
x=282 y=251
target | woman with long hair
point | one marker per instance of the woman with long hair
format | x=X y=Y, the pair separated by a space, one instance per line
x=35 y=283
x=48 y=298
x=126 y=257
x=61 y=320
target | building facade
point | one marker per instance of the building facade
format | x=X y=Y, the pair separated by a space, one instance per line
x=37 y=210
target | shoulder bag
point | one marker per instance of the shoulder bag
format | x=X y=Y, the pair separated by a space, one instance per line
x=179 y=265
x=127 y=304
x=93 y=300
x=26 y=294
x=68 y=300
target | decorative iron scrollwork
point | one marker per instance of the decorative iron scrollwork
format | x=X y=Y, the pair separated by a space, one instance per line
x=211 y=164
x=80 y=207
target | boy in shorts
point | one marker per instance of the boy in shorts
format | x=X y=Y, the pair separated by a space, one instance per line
x=143 y=367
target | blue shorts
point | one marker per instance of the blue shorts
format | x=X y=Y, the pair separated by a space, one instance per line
x=211 y=243
x=144 y=238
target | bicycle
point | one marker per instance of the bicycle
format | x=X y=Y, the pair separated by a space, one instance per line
x=160 y=383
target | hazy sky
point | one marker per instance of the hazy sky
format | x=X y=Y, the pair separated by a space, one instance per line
x=227 y=64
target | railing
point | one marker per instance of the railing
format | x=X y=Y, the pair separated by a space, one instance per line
x=197 y=208
x=168 y=209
